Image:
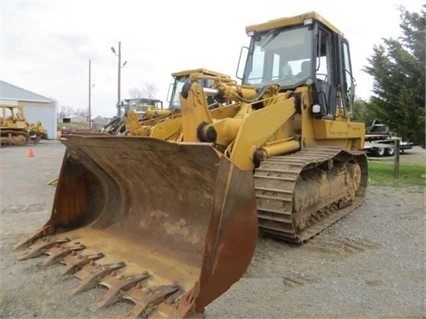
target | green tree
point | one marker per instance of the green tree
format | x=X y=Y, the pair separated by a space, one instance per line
x=398 y=70
x=363 y=112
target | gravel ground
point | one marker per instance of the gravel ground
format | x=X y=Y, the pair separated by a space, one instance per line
x=371 y=264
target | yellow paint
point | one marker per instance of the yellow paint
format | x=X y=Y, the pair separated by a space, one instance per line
x=257 y=128
x=331 y=129
x=166 y=129
x=280 y=147
x=194 y=112
x=291 y=21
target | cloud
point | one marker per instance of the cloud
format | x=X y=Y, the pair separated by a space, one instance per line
x=46 y=46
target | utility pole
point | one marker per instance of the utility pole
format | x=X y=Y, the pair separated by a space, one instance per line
x=90 y=94
x=119 y=76
x=119 y=80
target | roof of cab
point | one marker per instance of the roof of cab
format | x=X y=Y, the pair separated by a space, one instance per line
x=199 y=70
x=289 y=21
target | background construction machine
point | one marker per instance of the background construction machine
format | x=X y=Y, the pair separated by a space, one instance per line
x=141 y=108
x=141 y=114
x=175 y=214
x=37 y=132
x=14 y=128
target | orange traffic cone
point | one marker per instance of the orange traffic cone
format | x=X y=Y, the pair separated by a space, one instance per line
x=30 y=153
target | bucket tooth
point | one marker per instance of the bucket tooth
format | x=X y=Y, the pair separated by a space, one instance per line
x=60 y=251
x=45 y=231
x=41 y=246
x=117 y=286
x=187 y=213
x=91 y=275
x=147 y=299
x=74 y=261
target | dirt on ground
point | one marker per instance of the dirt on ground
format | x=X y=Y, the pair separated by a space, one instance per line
x=370 y=264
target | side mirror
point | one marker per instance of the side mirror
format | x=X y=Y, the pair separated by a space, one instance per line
x=351 y=91
x=350 y=87
x=353 y=87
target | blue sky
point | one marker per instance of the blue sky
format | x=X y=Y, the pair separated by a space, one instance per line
x=45 y=46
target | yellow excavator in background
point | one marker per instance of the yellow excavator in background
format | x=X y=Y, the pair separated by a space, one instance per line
x=172 y=216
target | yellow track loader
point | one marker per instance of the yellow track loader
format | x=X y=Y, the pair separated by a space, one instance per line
x=37 y=132
x=169 y=220
x=141 y=109
x=13 y=126
x=139 y=119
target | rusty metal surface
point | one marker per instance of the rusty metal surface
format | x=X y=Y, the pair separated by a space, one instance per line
x=148 y=298
x=181 y=213
x=92 y=274
x=42 y=232
x=118 y=285
x=60 y=251
x=41 y=246
x=74 y=262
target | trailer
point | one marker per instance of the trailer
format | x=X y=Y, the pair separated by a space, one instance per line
x=380 y=141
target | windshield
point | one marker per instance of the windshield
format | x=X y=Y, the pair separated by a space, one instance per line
x=281 y=56
x=177 y=88
x=135 y=105
x=141 y=105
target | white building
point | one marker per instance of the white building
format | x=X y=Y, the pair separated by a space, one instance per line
x=36 y=107
x=78 y=119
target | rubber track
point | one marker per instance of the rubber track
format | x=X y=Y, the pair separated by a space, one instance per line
x=275 y=181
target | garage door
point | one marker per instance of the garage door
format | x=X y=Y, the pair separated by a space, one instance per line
x=46 y=115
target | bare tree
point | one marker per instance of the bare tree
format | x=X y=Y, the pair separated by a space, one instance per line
x=81 y=112
x=135 y=93
x=148 y=91
x=67 y=111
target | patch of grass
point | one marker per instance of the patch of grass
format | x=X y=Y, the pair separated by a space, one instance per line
x=382 y=174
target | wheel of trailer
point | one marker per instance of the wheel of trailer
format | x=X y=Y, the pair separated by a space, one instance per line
x=389 y=151
x=380 y=151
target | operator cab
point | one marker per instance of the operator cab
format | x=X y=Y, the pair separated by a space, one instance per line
x=302 y=51
x=142 y=105
x=182 y=77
